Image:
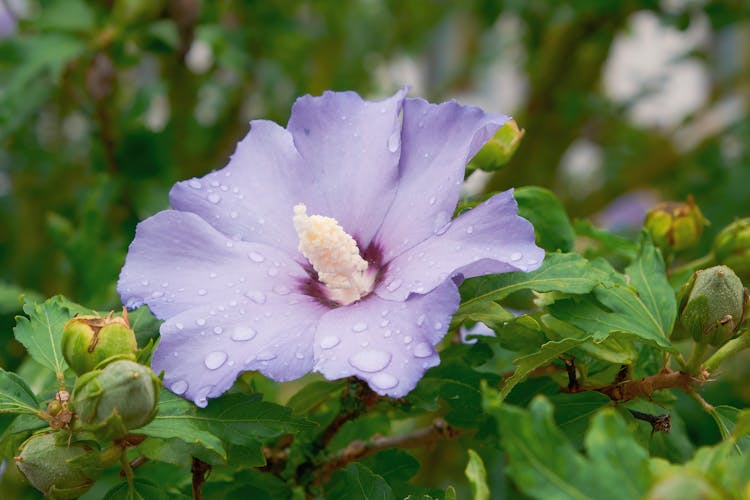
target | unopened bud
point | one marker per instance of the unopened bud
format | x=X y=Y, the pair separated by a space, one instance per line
x=713 y=305
x=675 y=226
x=498 y=150
x=115 y=399
x=59 y=469
x=89 y=340
x=732 y=247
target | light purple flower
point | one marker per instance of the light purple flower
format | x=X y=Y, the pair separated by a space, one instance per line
x=324 y=246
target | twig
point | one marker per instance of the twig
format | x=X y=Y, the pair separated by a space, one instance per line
x=200 y=470
x=420 y=438
x=659 y=423
x=570 y=367
x=665 y=379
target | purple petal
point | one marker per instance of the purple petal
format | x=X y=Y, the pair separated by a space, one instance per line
x=490 y=238
x=351 y=148
x=203 y=350
x=178 y=262
x=437 y=142
x=388 y=344
x=252 y=198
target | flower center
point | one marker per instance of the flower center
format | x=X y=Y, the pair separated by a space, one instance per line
x=334 y=255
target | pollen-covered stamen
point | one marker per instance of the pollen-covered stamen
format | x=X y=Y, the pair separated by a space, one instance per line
x=334 y=255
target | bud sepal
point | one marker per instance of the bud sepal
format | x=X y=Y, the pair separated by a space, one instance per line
x=88 y=340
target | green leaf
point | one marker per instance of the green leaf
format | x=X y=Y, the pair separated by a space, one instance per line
x=727 y=418
x=314 y=394
x=174 y=421
x=393 y=465
x=566 y=273
x=545 y=355
x=242 y=419
x=573 y=412
x=648 y=275
x=552 y=226
x=357 y=482
x=66 y=15
x=41 y=332
x=477 y=476
x=544 y=464
x=16 y=396
x=248 y=483
x=140 y=489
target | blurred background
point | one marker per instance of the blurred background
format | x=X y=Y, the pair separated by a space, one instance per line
x=105 y=104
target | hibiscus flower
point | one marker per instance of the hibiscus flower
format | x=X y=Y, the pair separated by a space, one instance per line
x=327 y=246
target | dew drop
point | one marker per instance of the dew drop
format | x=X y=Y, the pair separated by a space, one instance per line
x=387 y=333
x=384 y=323
x=195 y=184
x=384 y=381
x=433 y=200
x=420 y=320
x=156 y=295
x=329 y=342
x=202 y=291
x=359 y=327
x=299 y=355
x=215 y=359
x=256 y=257
x=422 y=350
x=394 y=285
x=257 y=297
x=469 y=229
x=243 y=333
x=214 y=198
x=281 y=290
x=265 y=356
x=532 y=262
x=273 y=272
x=233 y=214
x=179 y=387
x=218 y=330
x=394 y=141
x=407 y=340
x=214 y=183
x=200 y=321
x=438 y=325
x=516 y=256
x=179 y=326
x=370 y=361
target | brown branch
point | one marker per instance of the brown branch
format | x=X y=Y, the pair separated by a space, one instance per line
x=645 y=387
x=200 y=472
x=425 y=437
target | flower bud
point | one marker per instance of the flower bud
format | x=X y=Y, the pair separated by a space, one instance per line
x=56 y=468
x=498 y=150
x=115 y=399
x=675 y=226
x=713 y=305
x=732 y=247
x=89 y=340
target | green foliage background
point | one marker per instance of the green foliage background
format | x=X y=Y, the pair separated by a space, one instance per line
x=100 y=114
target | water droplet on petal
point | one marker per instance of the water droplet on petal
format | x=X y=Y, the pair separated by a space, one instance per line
x=359 y=327
x=532 y=262
x=469 y=229
x=215 y=359
x=195 y=185
x=273 y=272
x=516 y=256
x=256 y=257
x=257 y=297
x=370 y=361
x=179 y=387
x=433 y=200
x=200 y=321
x=393 y=285
x=281 y=290
x=202 y=291
x=179 y=326
x=265 y=356
x=394 y=141
x=422 y=350
x=218 y=330
x=420 y=320
x=407 y=340
x=329 y=342
x=156 y=295
x=384 y=381
x=243 y=333
x=438 y=325
x=384 y=323
x=299 y=355
x=214 y=198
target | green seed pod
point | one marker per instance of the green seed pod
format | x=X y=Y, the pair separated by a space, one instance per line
x=89 y=340
x=56 y=468
x=498 y=150
x=675 y=226
x=713 y=305
x=115 y=399
x=732 y=247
